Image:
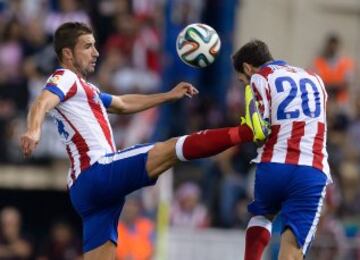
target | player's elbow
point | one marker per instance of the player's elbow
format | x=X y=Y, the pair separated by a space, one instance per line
x=118 y=106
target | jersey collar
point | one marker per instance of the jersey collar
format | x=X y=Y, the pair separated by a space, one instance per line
x=274 y=62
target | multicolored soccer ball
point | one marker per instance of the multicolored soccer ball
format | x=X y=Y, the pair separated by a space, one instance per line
x=198 y=45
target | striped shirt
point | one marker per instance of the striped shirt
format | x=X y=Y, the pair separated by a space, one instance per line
x=293 y=101
x=81 y=119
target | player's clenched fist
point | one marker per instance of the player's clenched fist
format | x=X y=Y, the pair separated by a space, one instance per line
x=29 y=141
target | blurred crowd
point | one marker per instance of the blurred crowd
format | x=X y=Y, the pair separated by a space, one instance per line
x=208 y=193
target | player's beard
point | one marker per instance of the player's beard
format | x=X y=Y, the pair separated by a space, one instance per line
x=83 y=70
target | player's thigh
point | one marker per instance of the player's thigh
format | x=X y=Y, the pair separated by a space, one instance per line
x=301 y=211
x=269 y=189
x=103 y=252
x=161 y=157
x=121 y=173
x=289 y=249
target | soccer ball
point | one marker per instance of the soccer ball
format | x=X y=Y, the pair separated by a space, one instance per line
x=198 y=45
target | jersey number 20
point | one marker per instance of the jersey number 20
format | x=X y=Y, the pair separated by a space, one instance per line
x=303 y=85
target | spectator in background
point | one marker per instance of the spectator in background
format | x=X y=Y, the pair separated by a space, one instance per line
x=13 y=93
x=62 y=244
x=233 y=165
x=335 y=69
x=147 y=54
x=353 y=134
x=69 y=11
x=136 y=233
x=331 y=240
x=37 y=41
x=13 y=245
x=126 y=29
x=102 y=14
x=187 y=210
x=338 y=123
x=350 y=183
x=231 y=186
x=39 y=56
x=137 y=45
x=11 y=53
x=24 y=10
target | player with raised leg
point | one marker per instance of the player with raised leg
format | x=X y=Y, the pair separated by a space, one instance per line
x=292 y=168
x=100 y=177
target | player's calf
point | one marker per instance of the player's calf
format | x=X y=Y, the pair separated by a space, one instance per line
x=258 y=236
x=289 y=249
x=211 y=141
x=201 y=144
x=104 y=252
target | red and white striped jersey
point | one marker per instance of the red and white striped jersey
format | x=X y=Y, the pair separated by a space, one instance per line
x=81 y=119
x=293 y=101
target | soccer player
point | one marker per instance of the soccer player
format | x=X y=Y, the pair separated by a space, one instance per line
x=100 y=177
x=292 y=169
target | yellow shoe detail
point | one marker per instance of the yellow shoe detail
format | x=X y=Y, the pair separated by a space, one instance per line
x=253 y=118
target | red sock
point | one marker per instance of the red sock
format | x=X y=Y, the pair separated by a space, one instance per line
x=258 y=236
x=212 y=141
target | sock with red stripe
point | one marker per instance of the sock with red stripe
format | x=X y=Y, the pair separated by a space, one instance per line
x=258 y=235
x=210 y=142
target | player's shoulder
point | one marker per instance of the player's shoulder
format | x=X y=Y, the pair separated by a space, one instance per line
x=258 y=80
x=269 y=68
x=61 y=75
x=263 y=73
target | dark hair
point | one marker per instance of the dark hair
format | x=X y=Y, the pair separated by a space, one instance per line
x=67 y=35
x=333 y=39
x=255 y=53
x=8 y=30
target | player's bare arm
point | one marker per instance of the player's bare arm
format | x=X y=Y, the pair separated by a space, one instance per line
x=133 y=103
x=44 y=103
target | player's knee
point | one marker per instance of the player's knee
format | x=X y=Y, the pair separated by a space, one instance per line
x=161 y=157
x=163 y=149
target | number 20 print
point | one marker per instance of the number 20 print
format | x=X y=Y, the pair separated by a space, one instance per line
x=303 y=84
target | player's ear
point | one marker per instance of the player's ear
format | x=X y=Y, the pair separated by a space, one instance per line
x=248 y=70
x=67 y=54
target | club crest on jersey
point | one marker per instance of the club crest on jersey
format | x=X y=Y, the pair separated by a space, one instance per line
x=54 y=80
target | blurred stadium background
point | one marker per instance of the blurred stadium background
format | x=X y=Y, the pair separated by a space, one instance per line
x=198 y=210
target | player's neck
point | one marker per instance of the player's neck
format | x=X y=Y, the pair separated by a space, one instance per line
x=73 y=68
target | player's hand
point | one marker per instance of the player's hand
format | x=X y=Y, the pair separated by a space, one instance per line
x=29 y=141
x=181 y=90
